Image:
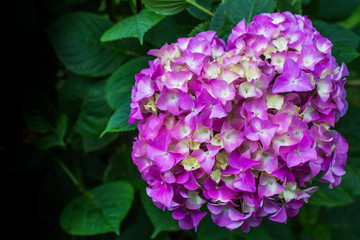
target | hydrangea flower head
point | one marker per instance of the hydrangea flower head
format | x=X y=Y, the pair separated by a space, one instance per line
x=238 y=130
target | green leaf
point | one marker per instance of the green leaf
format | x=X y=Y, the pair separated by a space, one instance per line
x=335 y=9
x=134 y=26
x=199 y=14
x=344 y=54
x=202 y=27
x=309 y=214
x=100 y=210
x=221 y=23
x=351 y=180
x=319 y=229
x=330 y=197
x=121 y=167
x=293 y=6
x=92 y=167
x=94 y=112
x=279 y=231
x=118 y=87
x=338 y=34
x=162 y=220
x=344 y=221
x=39 y=113
x=166 y=7
x=119 y=121
x=76 y=40
x=140 y=230
x=170 y=29
x=218 y=20
x=91 y=144
x=55 y=139
x=226 y=29
x=237 y=10
x=117 y=168
x=72 y=93
x=353 y=20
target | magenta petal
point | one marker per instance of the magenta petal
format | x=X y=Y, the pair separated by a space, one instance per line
x=186 y=103
x=303 y=83
x=269 y=206
x=222 y=219
x=245 y=182
x=191 y=184
x=292 y=79
x=309 y=57
x=234 y=225
x=230 y=137
x=177 y=80
x=235 y=215
x=280 y=216
x=163 y=194
x=214 y=208
x=179 y=214
x=168 y=100
x=183 y=177
x=238 y=162
x=180 y=130
x=217 y=111
x=186 y=223
x=153 y=150
x=223 y=91
x=196 y=218
x=164 y=162
x=281 y=85
x=208 y=164
x=291 y=68
x=268 y=186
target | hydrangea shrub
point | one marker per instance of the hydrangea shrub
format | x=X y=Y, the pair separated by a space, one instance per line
x=240 y=128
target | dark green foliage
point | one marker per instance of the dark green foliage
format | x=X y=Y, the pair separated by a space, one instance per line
x=293 y=6
x=134 y=26
x=166 y=7
x=98 y=211
x=330 y=197
x=67 y=152
x=197 y=13
x=202 y=27
x=76 y=40
x=336 y=10
x=238 y=10
x=220 y=22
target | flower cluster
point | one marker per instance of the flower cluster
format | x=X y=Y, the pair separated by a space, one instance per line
x=240 y=127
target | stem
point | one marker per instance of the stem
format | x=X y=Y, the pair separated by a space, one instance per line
x=77 y=168
x=78 y=179
x=69 y=173
x=192 y=2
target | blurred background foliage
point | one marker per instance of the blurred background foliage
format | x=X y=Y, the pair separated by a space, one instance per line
x=65 y=142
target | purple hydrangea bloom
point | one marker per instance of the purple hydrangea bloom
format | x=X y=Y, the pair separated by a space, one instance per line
x=240 y=128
